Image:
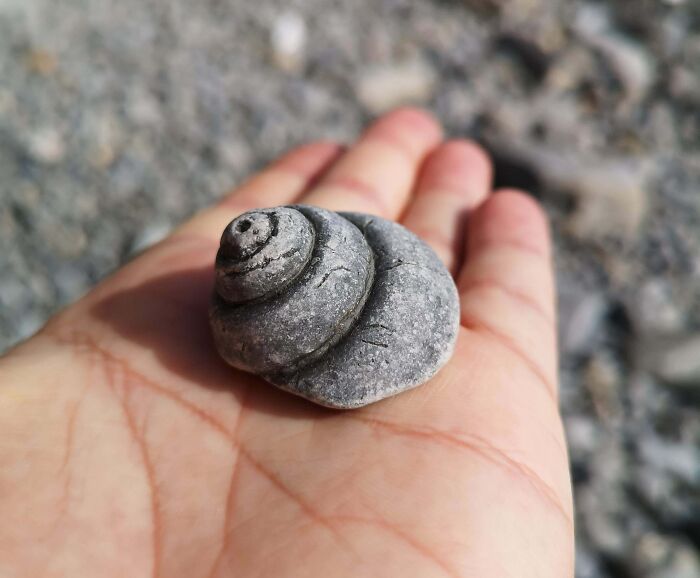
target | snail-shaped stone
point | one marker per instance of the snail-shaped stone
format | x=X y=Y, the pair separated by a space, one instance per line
x=343 y=309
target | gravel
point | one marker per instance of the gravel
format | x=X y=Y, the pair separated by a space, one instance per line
x=118 y=120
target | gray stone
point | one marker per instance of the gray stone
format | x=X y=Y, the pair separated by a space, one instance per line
x=582 y=434
x=655 y=309
x=612 y=197
x=581 y=319
x=659 y=556
x=630 y=63
x=372 y=311
x=675 y=360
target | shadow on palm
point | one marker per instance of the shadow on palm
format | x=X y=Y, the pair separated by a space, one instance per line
x=168 y=316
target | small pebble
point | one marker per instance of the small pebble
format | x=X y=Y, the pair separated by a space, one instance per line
x=381 y=88
x=47 y=146
x=677 y=362
x=581 y=318
x=659 y=556
x=288 y=40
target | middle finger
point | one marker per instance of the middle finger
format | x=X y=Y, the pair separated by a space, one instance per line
x=376 y=176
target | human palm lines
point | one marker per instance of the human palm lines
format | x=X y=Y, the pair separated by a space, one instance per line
x=258 y=479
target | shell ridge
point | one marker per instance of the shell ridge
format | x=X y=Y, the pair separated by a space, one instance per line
x=280 y=377
x=341 y=328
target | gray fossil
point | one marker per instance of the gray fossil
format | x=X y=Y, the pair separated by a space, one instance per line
x=343 y=309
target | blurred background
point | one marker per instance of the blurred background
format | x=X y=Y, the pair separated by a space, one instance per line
x=119 y=119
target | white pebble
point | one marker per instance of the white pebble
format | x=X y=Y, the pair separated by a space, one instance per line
x=288 y=39
x=381 y=88
x=46 y=146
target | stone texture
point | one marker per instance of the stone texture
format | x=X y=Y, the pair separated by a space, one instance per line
x=373 y=314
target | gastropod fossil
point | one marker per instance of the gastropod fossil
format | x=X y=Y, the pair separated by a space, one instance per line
x=343 y=309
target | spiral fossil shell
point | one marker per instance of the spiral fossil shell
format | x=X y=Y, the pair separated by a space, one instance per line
x=343 y=309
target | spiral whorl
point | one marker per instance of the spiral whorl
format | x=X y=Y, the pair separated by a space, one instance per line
x=287 y=293
x=343 y=309
x=261 y=252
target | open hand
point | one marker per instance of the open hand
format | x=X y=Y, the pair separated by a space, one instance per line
x=128 y=448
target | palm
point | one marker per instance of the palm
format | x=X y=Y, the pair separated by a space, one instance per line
x=155 y=458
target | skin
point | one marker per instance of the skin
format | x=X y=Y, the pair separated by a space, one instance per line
x=128 y=448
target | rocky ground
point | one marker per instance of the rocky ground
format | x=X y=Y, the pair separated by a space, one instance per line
x=119 y=119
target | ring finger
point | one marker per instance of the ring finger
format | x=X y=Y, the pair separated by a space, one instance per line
x=455 y=178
